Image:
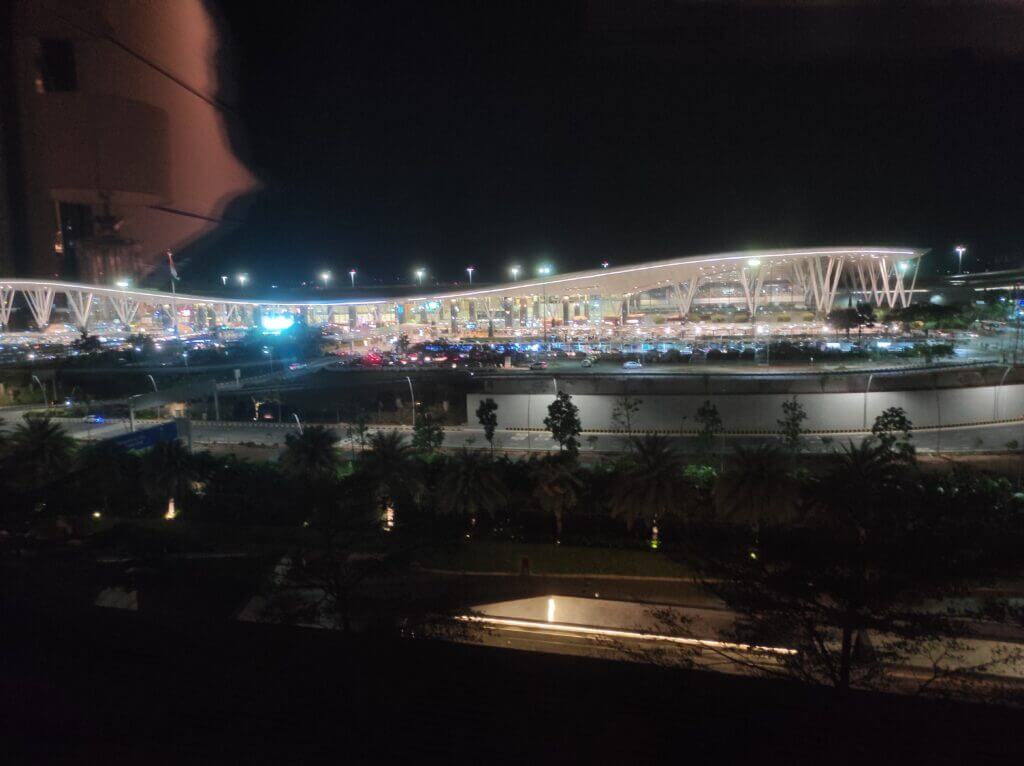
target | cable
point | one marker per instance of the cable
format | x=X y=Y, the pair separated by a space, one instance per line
x=217 y=104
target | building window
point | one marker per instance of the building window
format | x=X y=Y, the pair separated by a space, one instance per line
x=76 y=223
x=57 y=66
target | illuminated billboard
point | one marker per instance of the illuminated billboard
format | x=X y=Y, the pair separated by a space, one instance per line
x=276 y=322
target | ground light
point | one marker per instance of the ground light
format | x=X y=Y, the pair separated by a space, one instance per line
x=632 y=634
x=172 y=512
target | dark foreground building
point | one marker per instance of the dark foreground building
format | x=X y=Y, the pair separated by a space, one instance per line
x=115 y=136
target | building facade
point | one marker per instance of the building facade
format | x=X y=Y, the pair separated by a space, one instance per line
x=115 y=140
x=739 y=290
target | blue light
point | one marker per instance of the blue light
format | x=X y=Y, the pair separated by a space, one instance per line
x=277 y=322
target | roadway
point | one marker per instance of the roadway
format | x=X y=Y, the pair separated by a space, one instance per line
x=984 y=438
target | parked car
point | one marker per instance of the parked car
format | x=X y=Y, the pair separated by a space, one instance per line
x=587 y=363
x=539 y=365
x=94 y=419
x=632 y=364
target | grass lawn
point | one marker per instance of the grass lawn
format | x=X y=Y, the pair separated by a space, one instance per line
x=490 y=556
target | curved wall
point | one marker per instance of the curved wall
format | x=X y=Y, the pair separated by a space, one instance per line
x=759 y=413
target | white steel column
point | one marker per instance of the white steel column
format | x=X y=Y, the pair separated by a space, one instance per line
x=909 y=296
x=691 y=292
x=126 y=308
x=40 y=303
x=6 y=306
x=836 y=263
x=80 y=303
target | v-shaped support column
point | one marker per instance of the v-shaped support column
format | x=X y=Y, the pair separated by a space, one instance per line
x=40 y=303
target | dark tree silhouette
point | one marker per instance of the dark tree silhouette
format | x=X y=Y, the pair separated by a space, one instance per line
x=563 y=421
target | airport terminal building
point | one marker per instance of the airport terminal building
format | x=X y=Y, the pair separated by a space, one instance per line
x=796 y=288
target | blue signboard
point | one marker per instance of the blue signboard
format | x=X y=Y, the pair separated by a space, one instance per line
x=147 y=437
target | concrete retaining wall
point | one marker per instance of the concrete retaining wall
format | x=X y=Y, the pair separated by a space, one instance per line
x=752 y=413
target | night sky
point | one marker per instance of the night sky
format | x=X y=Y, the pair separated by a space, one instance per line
x=395 y=135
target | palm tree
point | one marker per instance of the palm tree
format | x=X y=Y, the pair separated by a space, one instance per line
x=40 y=451
x=471 y=486
x=311 y=453
x=556 y=487
x=757 y=487
x=651 y=484
x=391 y=467
x=860 y=484
x=106 y=470
x=170 y=471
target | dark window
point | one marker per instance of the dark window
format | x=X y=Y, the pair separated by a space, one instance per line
x=57 y=66
x=76 y=223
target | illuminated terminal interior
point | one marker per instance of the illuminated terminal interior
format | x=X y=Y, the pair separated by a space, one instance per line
x=735 y=293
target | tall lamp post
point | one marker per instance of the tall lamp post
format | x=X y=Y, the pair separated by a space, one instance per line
x=544 y=271
x=412 y=396
x=960 y=250
x=419 y=275
x=470 y=270
x=352 y=276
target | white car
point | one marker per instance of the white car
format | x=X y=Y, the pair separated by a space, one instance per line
x=631 y=365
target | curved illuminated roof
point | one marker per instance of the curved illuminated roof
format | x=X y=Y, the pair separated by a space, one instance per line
x=616 y=280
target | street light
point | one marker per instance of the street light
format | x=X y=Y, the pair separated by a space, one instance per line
x=544 y=271
x=42 y=390
x=123 y=283
x=470 y=270
x=352 y=276
x=420 y=273
x=243 y=278
x=224 y=279
x=412 y=397
x=326 y=277
x=604 y=264
x=960 y=250
x=515 y=273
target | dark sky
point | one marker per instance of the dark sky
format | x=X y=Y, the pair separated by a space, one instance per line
x=394 y=135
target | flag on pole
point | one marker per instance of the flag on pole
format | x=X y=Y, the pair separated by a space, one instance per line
x=170 y=260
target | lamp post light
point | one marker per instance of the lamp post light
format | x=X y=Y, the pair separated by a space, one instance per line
x=326 y=277
x=242 y=279
x=544 y=271
x=42 y=390
x=604 y=264
x=960 y=250
x=420 y=273
x=515 y=273
x=123 y=283
x=412 y=398
x=352 y=276
x=470 y=270
x=224 y=280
